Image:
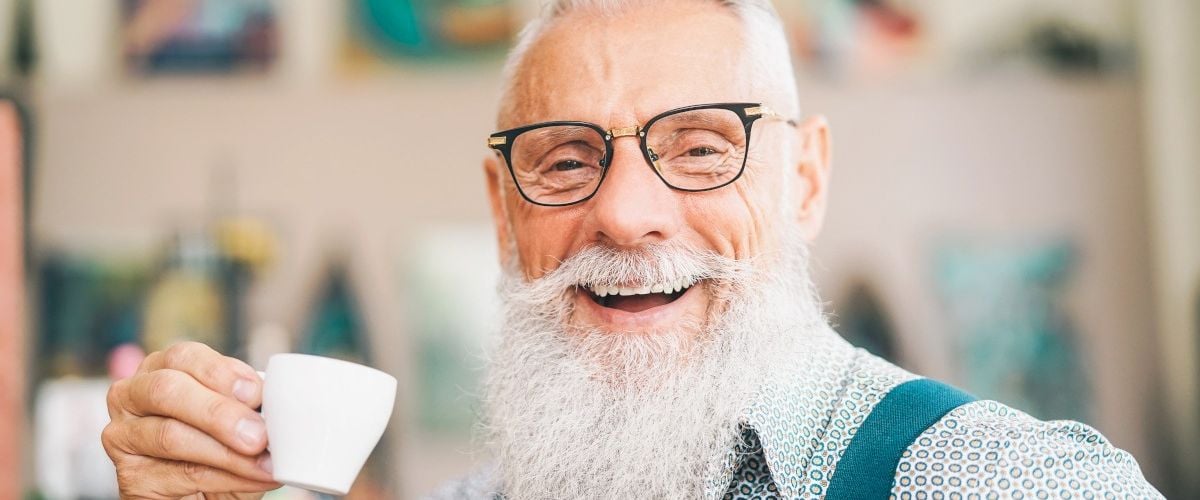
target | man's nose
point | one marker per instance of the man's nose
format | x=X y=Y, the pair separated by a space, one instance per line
x=633 y=206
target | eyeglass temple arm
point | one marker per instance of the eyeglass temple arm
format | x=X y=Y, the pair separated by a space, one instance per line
x=769 y=114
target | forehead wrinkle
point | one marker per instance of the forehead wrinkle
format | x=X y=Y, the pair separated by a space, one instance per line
x=544 y=92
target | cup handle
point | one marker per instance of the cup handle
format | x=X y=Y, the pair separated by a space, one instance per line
x=262 y=409
x=263 y=376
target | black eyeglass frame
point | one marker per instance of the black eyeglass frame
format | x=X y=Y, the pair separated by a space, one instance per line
x=748 y=112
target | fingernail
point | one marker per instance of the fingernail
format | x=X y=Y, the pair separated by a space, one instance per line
x=264 y=463
x=252 y=432
x=243 y=390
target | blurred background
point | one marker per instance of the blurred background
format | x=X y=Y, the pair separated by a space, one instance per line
x=1015 y=207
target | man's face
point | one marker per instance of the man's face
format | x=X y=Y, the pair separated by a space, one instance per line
x=633 y=395
x=619 y=72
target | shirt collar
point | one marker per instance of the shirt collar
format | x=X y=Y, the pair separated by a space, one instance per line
x=792 y=412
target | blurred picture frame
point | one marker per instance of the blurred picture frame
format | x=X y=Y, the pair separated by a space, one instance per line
x=198 y=36
x=433 y=30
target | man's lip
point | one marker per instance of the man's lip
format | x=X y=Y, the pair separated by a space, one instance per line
x=651 y=318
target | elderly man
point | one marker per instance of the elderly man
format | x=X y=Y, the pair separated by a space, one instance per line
x=653 y=194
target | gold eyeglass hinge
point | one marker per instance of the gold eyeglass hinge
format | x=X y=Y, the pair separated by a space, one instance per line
x=759 y=110
x=497 y=141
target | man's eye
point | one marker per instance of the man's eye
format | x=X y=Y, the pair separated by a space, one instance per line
x=566 y=165
x=701 y=151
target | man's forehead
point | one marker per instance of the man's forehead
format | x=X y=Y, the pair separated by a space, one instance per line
x=620 y=69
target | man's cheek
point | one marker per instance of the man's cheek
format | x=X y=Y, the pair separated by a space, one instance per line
x=541 y=252
x=731 y=227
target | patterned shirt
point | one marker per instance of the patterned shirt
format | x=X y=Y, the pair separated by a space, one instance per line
x=797 y=429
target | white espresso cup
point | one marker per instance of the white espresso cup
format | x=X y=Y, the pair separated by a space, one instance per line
x=324 y=416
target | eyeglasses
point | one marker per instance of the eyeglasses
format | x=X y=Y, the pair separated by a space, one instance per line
x=693 y=148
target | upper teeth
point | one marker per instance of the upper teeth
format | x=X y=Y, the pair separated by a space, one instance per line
x=664 y=287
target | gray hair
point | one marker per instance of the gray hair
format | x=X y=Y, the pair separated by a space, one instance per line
x=767 y=59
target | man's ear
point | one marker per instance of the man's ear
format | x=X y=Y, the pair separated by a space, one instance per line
x=812 y=171
x=493 y=171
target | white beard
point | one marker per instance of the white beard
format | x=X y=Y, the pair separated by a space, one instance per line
x=572 y=413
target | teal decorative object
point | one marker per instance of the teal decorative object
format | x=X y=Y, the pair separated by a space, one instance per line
x=336 y=327
x=862 y=321
x=1015 y=342
x=434 y=29
x=398 y=24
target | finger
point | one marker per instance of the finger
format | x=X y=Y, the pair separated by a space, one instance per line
x=155 y=478
x=223 y=374
x=151 y=362
x=174 y=394
x=116 y=399
x=174 y=440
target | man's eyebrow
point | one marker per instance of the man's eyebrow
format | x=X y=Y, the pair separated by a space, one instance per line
x=559 y=133
x=535 y=140
x=703 y=117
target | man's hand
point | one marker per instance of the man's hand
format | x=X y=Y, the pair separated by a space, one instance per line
x=185 y=424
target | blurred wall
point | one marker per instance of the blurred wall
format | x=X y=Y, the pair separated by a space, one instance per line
x=1171 y=75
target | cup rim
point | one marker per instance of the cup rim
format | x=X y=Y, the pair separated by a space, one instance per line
x=327 y=359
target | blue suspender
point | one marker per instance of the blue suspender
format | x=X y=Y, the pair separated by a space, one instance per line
x=868 y=466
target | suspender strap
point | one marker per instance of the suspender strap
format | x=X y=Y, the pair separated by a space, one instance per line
x=868 y=466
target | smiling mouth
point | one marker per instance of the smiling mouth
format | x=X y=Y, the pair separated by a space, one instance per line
x=638 y=299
